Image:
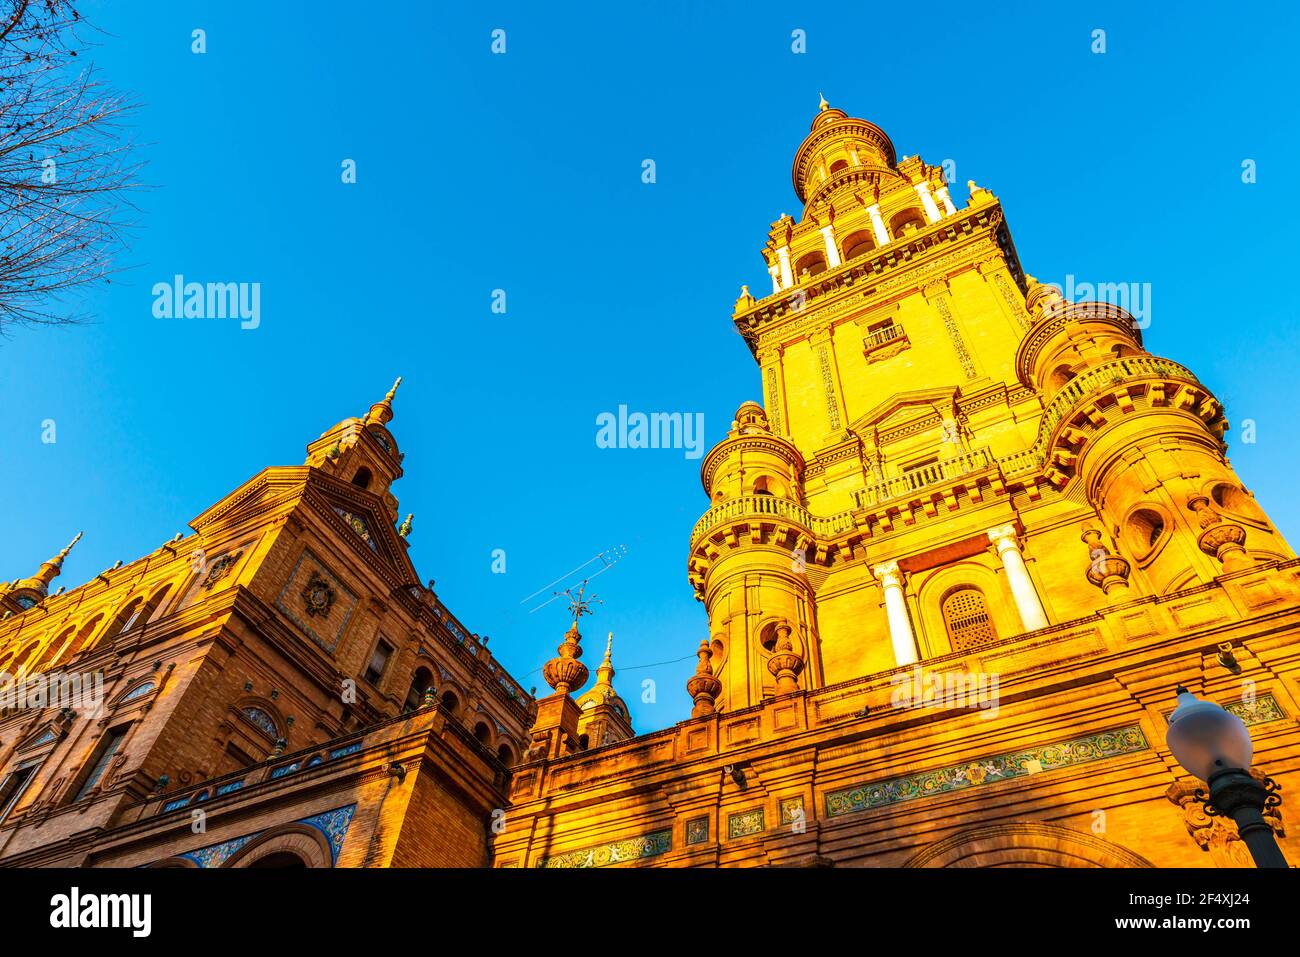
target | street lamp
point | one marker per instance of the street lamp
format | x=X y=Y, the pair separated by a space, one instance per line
x=1214 y=745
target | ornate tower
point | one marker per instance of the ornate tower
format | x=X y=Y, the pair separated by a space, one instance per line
x=939 y=433
x=604 y=718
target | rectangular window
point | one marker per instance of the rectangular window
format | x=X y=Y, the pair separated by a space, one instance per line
x=378 y=662
x=15 y=784
x=103 y=755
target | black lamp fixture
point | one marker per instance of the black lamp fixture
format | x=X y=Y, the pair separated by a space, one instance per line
x=1213 y=744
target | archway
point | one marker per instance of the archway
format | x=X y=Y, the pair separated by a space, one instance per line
x=1025 y=844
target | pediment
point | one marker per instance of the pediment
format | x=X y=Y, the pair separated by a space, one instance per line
x=361 y=519
x=907 y=408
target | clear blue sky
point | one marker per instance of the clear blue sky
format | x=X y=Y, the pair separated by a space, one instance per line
x=523 y=172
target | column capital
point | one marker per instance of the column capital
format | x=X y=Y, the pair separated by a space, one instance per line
x=888 y=574
x=1004 y=536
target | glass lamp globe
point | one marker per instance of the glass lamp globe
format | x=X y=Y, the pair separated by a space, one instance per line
x=1205 y=739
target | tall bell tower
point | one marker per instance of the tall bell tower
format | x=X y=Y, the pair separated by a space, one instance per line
x=947 y=453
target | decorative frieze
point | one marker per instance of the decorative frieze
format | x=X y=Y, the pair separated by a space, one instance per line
x=981 y=771
x=954 y=333
x=773 y=400
x=745 y=823
x=615 y=852
x=828 y=386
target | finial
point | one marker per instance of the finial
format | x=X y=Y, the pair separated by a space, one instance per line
x=579 y=606
x=67 y=548
x=405 y=529
x=565 y=673
x=382 y=411
x=609 y=646
x=823 y=106
x=704 y=688
x=50 y=570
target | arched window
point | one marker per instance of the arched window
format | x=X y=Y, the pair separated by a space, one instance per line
x=126 y=618
x=78 y=643
x=22 y=657
x=285 y=860
x=907 y=222
x=450 y=703
x=859 y=244
x=810 y=264
x=966 y=618
x=482 y=733
x=839 y=165
x=262 y=720
x=1059 y=377
x=420 y=682
x=52 y=649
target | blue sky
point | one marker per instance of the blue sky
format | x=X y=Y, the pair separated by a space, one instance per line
x=522 y=172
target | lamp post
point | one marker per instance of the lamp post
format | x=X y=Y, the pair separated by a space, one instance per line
x=1214 y=745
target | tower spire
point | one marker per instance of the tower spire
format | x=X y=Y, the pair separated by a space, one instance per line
x=382 y=411
x=605 y=673
x=49 y=570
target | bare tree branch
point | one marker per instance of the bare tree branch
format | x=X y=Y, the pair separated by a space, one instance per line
x=66 y=164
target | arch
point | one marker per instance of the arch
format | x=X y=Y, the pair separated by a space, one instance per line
x=16 y=665
x=126 y=617
x=482 y=733
x=966 y=618
x=906 y=222
x=78 y=643
x=1235 y=502
x=262 y=719
x=421 y=681
x=1058 y=377
x=301 y=841
x=812 y=263
x=1144 y=532
x=858 y=244
x=506 y=754
x=770 y=485
x=449 y=701
x=173 y=862
x=361 y=478
x=935 y=587
x=52 y=649
x=838 y=165
x=1025 y=844
x=154 y=603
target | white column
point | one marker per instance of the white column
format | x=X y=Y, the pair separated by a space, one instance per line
x=776 y=277
x=878 y=225
x=1022 y=589
x=832 y=251
x=927 y=201
x=942 y=194
x=900 y=626
x=783 y=257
